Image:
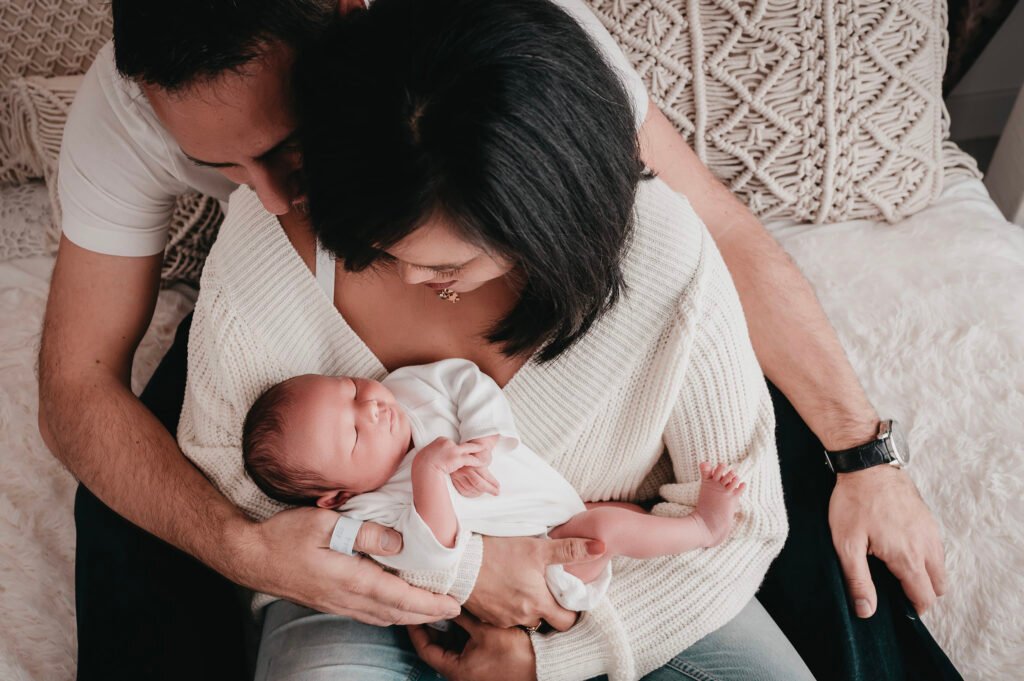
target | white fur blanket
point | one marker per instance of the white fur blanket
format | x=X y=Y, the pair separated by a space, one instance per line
x=930 y=311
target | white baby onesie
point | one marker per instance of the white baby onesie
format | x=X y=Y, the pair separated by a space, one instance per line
x=454 y=399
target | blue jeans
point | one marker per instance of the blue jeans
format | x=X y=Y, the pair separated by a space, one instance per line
x=300 y=644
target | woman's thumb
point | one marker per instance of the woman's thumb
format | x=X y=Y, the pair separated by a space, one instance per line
x=573 y=550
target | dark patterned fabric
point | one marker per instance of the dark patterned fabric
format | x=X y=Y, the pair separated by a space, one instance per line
x=972 y=23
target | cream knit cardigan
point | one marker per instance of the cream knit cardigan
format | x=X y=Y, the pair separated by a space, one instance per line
x=666 y=379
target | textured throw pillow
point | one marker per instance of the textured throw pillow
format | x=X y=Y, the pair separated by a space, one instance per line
x=33 y=112
x=815 y=110
x=51 y=37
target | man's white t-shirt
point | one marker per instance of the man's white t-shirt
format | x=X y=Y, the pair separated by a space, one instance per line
x=121 y=171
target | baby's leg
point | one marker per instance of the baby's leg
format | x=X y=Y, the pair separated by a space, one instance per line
x=627 y=530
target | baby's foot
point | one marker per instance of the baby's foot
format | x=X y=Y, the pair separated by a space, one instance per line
x=718 y=500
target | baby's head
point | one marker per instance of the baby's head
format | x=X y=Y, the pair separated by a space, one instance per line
x=319 y=440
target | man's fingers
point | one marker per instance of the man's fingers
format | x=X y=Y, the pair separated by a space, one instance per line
x=444 y=662
x=572 y=550
x=917 y=584
x=411 y=604
x=853 y=557
x=935 y=563
x=378 y=540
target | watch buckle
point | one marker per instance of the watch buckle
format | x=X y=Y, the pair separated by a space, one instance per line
x=828 y=462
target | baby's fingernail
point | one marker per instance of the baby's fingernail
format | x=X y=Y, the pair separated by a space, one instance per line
x=863 y=607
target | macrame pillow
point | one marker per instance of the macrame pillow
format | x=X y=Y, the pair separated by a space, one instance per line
x=51 y=37
x=816 y=110
x=33 y=112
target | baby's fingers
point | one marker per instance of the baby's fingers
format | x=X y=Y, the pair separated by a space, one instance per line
x=461 y=479
x=486 y=482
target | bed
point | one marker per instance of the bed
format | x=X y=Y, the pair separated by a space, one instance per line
x=929 y=310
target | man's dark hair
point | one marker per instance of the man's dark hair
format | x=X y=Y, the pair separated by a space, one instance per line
x=263 y=456
x=177 y=44
x=500 y=116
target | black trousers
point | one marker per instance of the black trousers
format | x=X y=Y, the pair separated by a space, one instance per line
x=148 y=611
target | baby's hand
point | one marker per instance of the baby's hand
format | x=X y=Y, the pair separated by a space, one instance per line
x=474 y=481
x=446 y=456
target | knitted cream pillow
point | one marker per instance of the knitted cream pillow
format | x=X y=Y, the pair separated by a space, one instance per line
x=818 y=110
x=33 y=112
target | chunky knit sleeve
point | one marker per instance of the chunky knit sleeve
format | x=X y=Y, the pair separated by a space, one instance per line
x=723 y=413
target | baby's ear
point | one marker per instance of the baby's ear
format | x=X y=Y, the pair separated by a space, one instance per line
x=333 y=500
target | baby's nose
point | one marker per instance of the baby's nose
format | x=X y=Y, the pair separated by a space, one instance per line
x=373 y=408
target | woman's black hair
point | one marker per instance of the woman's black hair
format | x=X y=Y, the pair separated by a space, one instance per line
x=500 y=116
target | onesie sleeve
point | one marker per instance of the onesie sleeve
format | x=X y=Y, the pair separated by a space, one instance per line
x=479 y=404
x=421 y=552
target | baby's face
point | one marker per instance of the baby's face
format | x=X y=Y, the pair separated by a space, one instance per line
x=350 y=431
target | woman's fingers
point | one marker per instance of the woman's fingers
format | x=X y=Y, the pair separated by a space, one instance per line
x=558 y=617
x=572 y=550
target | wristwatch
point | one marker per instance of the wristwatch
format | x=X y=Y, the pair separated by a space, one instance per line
x=888 y=447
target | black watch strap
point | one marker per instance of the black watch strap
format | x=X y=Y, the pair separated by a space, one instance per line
x=855 y=459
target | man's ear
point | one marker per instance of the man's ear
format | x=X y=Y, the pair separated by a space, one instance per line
x=333 y=500
x=346 y=6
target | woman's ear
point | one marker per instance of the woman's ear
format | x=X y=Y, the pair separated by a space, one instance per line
x=334 y=499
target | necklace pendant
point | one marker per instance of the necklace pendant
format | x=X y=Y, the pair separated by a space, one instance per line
x=449 y=295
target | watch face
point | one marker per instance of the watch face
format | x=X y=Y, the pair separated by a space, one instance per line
x=898 y=445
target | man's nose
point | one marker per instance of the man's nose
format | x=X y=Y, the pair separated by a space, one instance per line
x=273 y=189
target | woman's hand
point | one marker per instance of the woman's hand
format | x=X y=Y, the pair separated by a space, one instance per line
x=511 y=590
x=487 y=649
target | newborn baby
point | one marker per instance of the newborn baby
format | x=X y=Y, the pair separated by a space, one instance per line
x=432 y=451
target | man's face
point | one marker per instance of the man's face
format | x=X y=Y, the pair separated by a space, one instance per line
x=243 y=124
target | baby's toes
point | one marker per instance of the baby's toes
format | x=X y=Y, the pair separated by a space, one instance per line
x=720 y=470
x=738 y=489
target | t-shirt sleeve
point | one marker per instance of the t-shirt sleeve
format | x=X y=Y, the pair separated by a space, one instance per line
x=613 y=55
x=114 y=198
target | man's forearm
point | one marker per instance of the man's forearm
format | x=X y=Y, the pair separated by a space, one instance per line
x=795 y=344
x=125 y=456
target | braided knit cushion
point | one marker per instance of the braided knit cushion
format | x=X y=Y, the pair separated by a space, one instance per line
x=817 y=110
x=33 y=112
x=51 y=37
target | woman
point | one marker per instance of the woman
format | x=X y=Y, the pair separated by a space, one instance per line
x=491 y=209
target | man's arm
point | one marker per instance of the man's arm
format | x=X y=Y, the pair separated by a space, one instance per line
x=98 y=310
x=800 y=353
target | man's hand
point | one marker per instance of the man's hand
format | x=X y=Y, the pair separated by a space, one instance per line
x=878 y=512
x=289 y=555
x=472 y=482
x=511 y=590
x=489 y=648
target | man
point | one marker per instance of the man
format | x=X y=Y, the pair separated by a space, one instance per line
x=199 y=99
